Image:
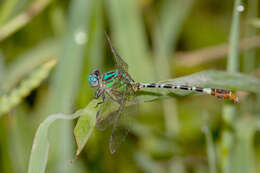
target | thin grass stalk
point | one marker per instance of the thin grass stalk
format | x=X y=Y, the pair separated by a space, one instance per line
x=26 y=63
x=65 y=81
x=210 y=150
x=233 y=56
x=6 y=10
x=6 y=166
x=246 y=127
x=166 y=35
x=95 y=51
x=161 y=60
x=10 y=100
x=213 y=53
x=23 y=19
x=229 y=110
x=169 y=106
x=128 y=36
x=20 y=137
x=244 y=151
x=147 y=164
x=249 y=56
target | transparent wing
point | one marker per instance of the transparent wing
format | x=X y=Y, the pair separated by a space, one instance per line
x=123 y=122
x=105 y=118
x=121 y=64
x=121 y=119
x=119 y=132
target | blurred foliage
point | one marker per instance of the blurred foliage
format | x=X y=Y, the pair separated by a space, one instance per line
x=184 y=134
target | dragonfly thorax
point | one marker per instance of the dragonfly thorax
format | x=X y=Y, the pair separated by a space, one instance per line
x=93 y=78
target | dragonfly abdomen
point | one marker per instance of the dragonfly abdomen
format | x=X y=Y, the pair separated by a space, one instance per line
x=220 y=93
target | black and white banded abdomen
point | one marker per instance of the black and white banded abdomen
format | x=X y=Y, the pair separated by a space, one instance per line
x=220 y=93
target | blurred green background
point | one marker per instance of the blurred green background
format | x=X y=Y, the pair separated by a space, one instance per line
x=47 y=49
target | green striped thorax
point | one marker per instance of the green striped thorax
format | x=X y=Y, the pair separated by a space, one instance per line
x=115 y=79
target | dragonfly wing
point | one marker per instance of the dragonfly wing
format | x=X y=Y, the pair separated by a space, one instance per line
x=123 y=121
x=118 y=133
x=116 y=118
x=104 y=123
x=104 y=117
x=121 y=64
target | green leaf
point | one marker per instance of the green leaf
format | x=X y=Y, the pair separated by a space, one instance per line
x=40 y=148
x=85 y=125
x=87 y=121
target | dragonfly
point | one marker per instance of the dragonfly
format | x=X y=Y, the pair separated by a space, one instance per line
x=118 y=85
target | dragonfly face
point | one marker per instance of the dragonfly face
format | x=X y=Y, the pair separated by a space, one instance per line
x=93 y=78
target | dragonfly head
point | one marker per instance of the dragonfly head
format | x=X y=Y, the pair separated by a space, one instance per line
x=93 y=78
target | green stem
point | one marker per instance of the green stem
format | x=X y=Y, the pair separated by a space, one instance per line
x=165 y=37
x=6 y=10
x=210 y=150
x=233 y=59
x=249 y=56
x=229 y=110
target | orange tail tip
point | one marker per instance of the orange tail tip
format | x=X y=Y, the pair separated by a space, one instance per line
x=224 y=94
x=233 y=97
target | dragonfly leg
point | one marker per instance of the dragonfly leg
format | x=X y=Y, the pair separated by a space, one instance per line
x=98 y=112
x=100 y=92
x=103 y=99
x=113 y=95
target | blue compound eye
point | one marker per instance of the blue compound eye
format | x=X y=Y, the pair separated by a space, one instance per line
x=93 y=78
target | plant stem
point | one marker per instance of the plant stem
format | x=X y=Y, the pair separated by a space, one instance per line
x=249 y=56
x=229 y=110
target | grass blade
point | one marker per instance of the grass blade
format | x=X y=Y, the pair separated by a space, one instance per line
x=244 y=151
x=147 y=164
x=65 y=81
x=6 y=10
x=95 y=51
x=22 y=19
x=40 y=148
x=130 y=40
x=210 y=150
x=27 y=62
x=8 y=101
x=229 y=111
x=250 y=55
x=165 y=35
